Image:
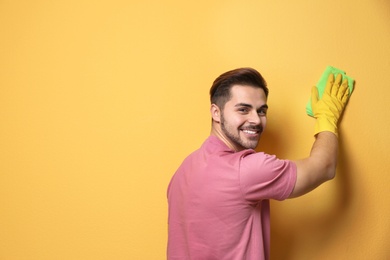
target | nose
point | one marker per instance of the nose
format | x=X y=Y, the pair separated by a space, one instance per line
x=254 y=118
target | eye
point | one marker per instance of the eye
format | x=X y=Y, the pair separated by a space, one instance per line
x=243 y=110
x=262 y=112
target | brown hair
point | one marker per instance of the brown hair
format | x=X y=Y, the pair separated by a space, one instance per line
x=220 y=90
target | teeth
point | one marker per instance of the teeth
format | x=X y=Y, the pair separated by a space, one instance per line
x=250 y=132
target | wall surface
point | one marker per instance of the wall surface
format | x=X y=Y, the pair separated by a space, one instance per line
x=101 y=100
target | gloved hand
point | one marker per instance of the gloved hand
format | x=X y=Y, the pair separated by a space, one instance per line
x=329 y=108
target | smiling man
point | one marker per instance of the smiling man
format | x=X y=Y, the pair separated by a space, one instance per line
x=219 y=197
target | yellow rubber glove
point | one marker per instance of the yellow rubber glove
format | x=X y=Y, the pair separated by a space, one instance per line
x=329 y=108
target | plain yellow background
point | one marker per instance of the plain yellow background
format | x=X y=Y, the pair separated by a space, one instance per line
x=100 y=101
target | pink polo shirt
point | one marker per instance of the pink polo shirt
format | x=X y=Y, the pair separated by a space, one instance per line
x=219 y=203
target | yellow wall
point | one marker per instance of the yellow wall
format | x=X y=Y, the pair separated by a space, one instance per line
x=101 y=100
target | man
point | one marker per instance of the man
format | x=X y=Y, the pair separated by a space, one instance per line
x=219 y=197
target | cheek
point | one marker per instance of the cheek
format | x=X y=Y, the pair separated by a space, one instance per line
x=233 y=119
x=238 y=121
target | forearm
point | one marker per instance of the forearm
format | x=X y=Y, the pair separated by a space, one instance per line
x=319 y=167
x=324 y=154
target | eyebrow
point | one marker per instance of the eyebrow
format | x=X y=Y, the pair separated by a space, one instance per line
x=250 y=106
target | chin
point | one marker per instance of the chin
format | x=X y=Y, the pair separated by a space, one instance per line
x=251 y=146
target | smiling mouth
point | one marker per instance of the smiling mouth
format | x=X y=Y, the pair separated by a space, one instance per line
x=251 y=132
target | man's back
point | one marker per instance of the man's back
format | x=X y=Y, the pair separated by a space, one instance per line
x=212 y=210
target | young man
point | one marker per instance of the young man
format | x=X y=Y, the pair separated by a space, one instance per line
x=219 y=197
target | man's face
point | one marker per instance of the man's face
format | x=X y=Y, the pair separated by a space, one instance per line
x=243 y=118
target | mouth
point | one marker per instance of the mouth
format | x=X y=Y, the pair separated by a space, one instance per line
x=252 y=132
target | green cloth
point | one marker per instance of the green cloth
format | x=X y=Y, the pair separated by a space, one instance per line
x=322 y=84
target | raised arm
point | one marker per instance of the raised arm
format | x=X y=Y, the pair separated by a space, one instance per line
x=320 y=166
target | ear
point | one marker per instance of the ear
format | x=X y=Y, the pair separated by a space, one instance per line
x=215 y=113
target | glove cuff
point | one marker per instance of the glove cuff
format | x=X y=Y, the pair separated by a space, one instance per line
x=325 y=124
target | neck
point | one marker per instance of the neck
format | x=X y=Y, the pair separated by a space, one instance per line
x=216 y=131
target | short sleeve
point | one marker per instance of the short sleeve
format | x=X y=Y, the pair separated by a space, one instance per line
x=264 y=176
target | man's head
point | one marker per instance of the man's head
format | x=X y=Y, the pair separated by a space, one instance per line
x=239 y=107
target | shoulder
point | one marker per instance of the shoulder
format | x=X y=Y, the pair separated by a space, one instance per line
x=264 y=176
x=253 y=158
x=266 y=164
